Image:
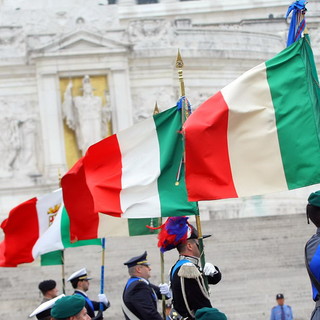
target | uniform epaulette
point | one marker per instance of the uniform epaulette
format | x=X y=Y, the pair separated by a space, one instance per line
x=189 y=271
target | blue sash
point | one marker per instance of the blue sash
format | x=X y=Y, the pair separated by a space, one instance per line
x=87 y=300
x=133 y=279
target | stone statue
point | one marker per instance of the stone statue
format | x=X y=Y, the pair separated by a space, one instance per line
x=28 y=129
x=67 y=107
x=10 y=144
x=84 y=115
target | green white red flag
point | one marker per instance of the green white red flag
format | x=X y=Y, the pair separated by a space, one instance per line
x=260 y=133
x=131 y=174
x=36 y=227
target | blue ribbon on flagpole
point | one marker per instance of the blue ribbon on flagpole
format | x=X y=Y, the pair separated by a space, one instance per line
x=182 y=103
x=297 y=8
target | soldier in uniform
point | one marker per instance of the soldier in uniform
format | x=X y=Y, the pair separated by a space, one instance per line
x=48 y=289
x=42 y=312
x=186 y=276
x=80 y=282
x=312 y=251
x=139 y=295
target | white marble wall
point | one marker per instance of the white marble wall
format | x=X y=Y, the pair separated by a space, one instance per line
x=135 y=46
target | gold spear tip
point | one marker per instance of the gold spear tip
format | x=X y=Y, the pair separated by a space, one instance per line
x=179 y=61
x=156 y=109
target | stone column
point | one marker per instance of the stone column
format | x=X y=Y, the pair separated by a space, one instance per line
x=51 y=125
x=120 y=100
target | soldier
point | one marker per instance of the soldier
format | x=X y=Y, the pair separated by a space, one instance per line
x=312 y=251
x=80 y=282
x=48 y=289
x=70 y=308
x=43 y=311
x=186 y=277
x=140 y=296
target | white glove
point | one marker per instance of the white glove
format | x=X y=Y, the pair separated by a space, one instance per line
x=102 y=298
x=165 y=289
x=209 y=269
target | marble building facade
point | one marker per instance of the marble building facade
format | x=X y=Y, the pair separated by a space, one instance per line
x=125 y=51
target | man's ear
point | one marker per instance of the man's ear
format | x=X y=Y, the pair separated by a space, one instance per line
x=138 y=269
x=189 y=245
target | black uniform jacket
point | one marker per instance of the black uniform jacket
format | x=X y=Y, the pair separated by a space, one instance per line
x=140 y=297
x=95 y=304
x=196 y=299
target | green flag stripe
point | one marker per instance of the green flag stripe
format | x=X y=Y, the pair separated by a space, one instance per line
x=137 y=227
x=51 y=258
x=65 y=234
x=297 y=131
x=173 y=198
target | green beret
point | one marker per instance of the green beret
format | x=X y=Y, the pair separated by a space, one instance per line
x=68 y=306
x=314 y=198
x=209 y=314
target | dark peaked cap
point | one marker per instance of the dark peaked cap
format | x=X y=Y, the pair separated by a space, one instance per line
x=139 y=260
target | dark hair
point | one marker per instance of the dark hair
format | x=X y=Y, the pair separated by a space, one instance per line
x=47 y=285
x=181 y=246
x=74 y=282
x=313 y=213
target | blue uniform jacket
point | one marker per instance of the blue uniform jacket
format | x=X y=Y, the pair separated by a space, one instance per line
x=276 y=313
x=313 y=259
x=91 y=305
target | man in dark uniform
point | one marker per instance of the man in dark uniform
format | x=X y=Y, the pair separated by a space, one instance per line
x=312 y=251
x=139 y=295
x=80 y=282
x=49 y=291
x=186 y=276
x=42 y=312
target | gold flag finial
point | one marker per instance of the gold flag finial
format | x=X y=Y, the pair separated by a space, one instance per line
x=179 y=61
x=179 y=66
x=156 y=109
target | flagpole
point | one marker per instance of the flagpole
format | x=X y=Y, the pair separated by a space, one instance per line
x=63 y=273
x=156 y=111
x=62 y=251
x=103 y=245
x=185 y=112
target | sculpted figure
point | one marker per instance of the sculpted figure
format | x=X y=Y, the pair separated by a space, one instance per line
x=10 y=144
x=84 y=115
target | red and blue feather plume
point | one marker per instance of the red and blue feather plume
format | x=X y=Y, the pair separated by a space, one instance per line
x=173 y=232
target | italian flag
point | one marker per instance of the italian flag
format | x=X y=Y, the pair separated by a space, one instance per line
x=36 y=227
x=260 y=133
x=131 y=174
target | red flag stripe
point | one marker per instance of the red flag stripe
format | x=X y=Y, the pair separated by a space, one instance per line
x=213 y=168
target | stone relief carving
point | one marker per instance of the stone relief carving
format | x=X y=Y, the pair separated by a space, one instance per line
x=85 y=115
x=12 y=42
x=144 y=103
x=148 y=33
x=18 y=140
x=198 y=96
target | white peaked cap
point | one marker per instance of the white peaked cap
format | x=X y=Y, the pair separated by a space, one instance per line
x=46 y=305
x=82 y=274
